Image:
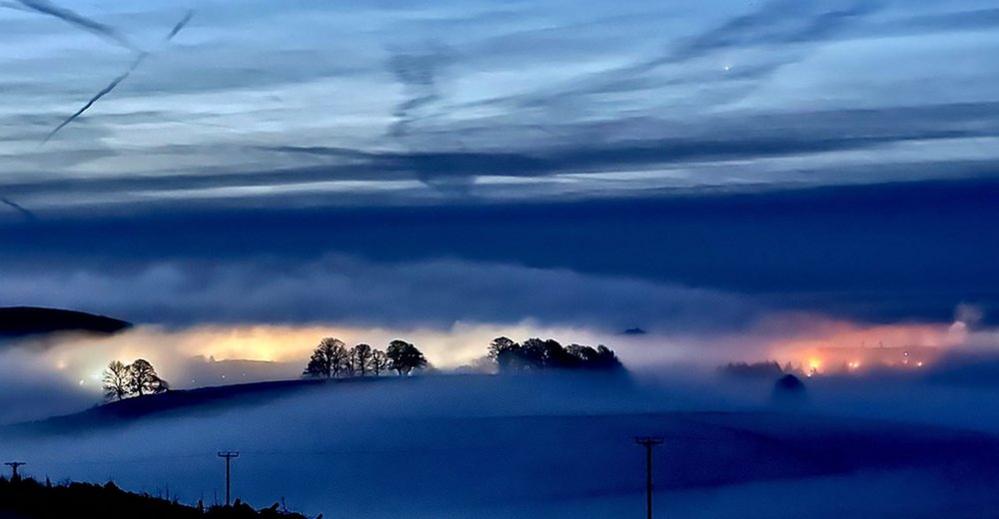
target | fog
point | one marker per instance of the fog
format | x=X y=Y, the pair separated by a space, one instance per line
x=878 y=441
x=558 y=445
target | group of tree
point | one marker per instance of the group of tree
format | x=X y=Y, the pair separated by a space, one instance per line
x=332 y=359
x=540 y=354
x=135 y=379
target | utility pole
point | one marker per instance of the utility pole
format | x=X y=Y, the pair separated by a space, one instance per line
x=649 y=442
x=13 y=469
x=228 y=455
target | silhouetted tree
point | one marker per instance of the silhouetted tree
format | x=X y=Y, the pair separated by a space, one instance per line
x=328 y=359
x=501 y=345
x=606 y=359
x=538 y=354
x=117 y=381
x=404 y=357
x=360 y=358
x=379 y=362
x=144 y=380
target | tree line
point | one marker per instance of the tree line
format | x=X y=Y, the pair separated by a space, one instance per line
x=544 y=354
x=135 y=379
x=332 y=359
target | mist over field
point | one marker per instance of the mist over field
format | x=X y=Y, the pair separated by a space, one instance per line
x=547 y=446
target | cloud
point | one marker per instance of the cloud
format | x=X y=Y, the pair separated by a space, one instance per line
x=347 y=291
x=789 y=29
x=418 y=74
x=877 y=253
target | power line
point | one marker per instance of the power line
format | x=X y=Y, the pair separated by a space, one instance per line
x=228 y=455
x=649 y=442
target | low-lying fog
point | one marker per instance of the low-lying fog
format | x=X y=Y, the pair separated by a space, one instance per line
x=558 y=446
x=912 y=443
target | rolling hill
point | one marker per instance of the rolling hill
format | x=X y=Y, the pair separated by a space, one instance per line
x=23 y=321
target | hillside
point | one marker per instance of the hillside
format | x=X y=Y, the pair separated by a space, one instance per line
x=114 y=413
x=29 y=499
x=21 y=321
x=520 y=446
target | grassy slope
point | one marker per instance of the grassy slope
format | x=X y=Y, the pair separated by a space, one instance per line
x=29 y=499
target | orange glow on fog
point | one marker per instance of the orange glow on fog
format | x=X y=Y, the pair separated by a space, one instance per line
x=846 y=347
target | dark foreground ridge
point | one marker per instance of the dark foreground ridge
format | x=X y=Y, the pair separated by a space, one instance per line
x=29 y=499
x=114 y=413
x=22 y=321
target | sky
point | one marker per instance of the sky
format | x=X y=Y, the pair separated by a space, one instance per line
x=717 y=173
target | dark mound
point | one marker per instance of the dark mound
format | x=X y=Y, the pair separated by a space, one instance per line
x=114 y=413
x=789 y=389
x=21 y=321
x=29 y=499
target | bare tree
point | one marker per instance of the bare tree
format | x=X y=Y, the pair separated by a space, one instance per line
x=379 y=362
x=144 y=380
x=360 y=359
x=328 y=359
x=117 y=381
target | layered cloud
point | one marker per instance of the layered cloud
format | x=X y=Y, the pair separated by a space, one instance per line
x=432 y=104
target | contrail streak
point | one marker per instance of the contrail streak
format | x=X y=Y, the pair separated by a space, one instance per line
x=104 y=91
x=180 y=25
x=116 y=81
x=19 y=208
x=73 y=18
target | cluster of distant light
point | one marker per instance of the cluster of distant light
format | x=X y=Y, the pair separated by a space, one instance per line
x=840 y=360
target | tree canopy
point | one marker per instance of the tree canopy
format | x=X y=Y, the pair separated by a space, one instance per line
x=136 y=379
x=540 y=354
x=332 y=359
x=404 y=357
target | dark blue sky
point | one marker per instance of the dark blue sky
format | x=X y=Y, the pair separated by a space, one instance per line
x=908 y=251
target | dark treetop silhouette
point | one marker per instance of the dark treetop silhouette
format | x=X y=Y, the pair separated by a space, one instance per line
x=332 y=359
x=137 y=379
x=538 y=354
x=26 y=498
